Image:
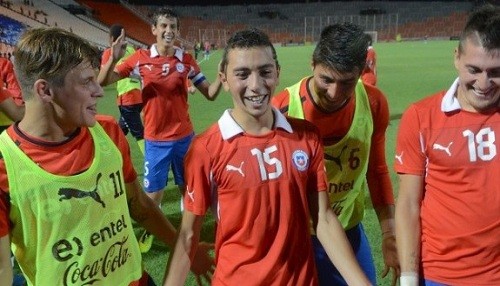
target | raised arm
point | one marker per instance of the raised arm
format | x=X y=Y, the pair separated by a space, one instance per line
x=408 y=229
x=107 y=75
x=211 y=90
x=332 y=236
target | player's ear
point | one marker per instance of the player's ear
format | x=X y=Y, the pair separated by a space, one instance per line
x=43 y=90
x=456 y=57
x=223 y=80
x=153 y=29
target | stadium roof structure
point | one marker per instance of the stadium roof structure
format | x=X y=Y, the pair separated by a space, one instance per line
x=218 y=2
x=252 y=2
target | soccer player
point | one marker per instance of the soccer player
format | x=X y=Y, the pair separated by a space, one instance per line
x=264 y=175
x=129 y=98
x=352 y=118
x=206 y=50
x=369 y=74
x=168 y=130
x=68 y=190
x=447 y=158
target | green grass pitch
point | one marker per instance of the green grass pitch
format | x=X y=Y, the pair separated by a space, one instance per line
x=407 y=71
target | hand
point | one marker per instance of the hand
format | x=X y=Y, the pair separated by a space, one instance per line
x=119 y=46
x=191 y=89
x=203 y=265
x=390 y=254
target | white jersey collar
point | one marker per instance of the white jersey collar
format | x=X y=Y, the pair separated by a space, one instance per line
x=154 y=52
x=229 y=128
x=450 y=101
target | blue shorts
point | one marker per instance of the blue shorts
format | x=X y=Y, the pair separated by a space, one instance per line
x=329 y=275
x=130 y=120
x=158 y=157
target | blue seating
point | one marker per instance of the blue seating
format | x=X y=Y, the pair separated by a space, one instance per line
x=11 y=30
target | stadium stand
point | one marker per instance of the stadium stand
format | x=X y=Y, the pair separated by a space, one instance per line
x=110 y=13
x=65 y=14
x=293 y=23
x=53 y=16
x=11 y=30
x=288 y=22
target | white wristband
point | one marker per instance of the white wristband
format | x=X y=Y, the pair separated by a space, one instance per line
x=408 y=279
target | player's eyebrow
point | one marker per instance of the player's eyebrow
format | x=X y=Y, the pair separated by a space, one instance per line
x=265 y=66
x=488 y=70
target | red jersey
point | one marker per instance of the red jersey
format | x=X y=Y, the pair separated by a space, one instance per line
x=259 y=187
x=457 y=154
x=334 y=126
x=164 y=91
x=130 y=97
x=67 y=158
x=369 y=74
x=10 y=81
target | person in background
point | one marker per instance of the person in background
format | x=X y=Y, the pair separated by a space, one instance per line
x=197 y=50
x=447 y=159
x=129 y=94
x=352 y=118
x=206 y=50
x=369 y=74
x=168 y=130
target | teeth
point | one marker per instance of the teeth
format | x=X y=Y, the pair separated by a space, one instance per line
x=479 y=93
x=256 y=99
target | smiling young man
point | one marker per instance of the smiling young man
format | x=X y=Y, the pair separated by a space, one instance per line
x=168 y=130
x=68 y=189
x=264 y=175
x=352 y=118
x=447 y=218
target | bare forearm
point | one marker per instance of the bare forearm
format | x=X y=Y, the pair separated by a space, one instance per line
x=106 y=74
x=180 y=261
x=185 y=248
x=332 y=237
x=408 y=236
x=6 y=274
x=385 y=215
x=13 y=111
x=145 y=212
x=214 y=89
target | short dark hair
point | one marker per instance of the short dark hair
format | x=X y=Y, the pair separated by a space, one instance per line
x=341 y=47
x=115 y=31
x=246 y=39
x=483 y=25
x=167 y=13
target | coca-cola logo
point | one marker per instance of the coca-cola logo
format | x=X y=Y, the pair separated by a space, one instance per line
x=89 y=261
x=114 y=258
